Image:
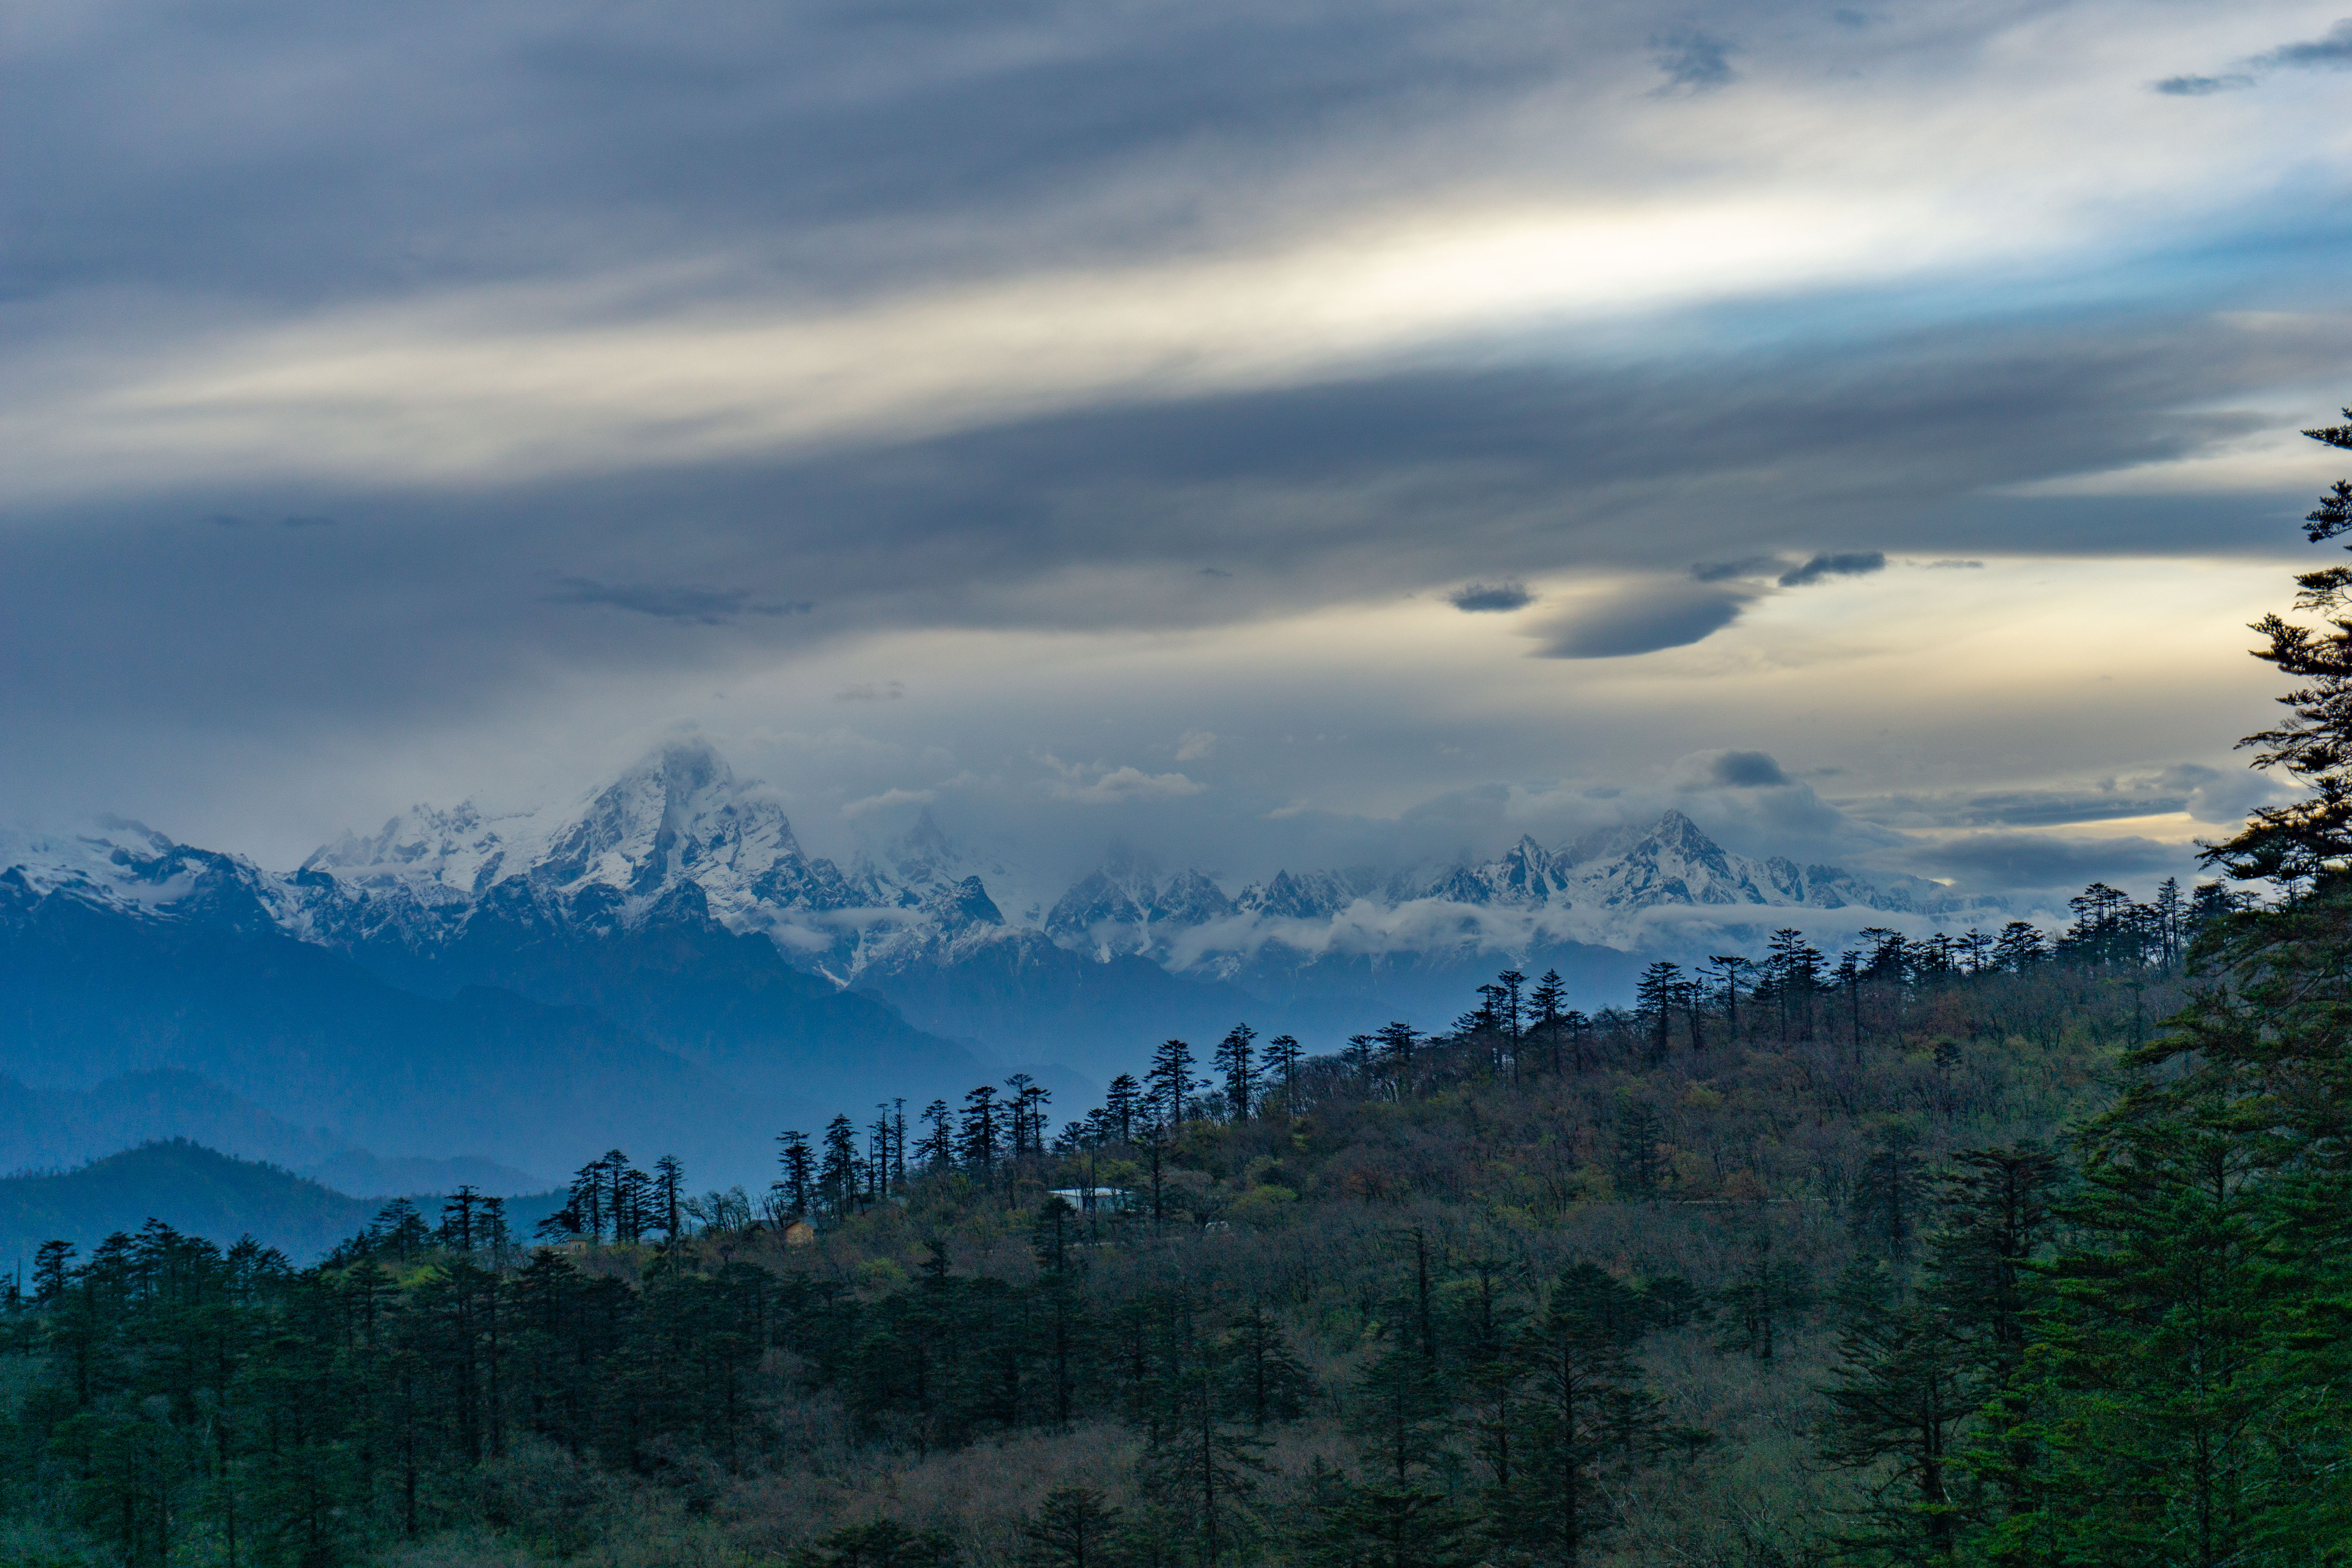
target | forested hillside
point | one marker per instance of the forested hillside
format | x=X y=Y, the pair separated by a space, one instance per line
x=1795 y=1262
x=1983 y=1249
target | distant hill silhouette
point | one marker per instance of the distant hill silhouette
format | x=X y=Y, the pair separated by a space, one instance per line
x=198 y=1190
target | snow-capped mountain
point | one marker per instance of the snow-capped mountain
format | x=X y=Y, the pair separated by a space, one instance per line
x=129 y=867
x=679 y=824
x=678 y=820
x=674 y=914
x=1627 y=888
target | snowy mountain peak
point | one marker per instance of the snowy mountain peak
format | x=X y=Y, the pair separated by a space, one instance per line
x=679 y=814
x=678 y=837
x=129 y=865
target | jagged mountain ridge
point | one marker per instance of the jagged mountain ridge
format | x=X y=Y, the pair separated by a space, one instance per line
x=677 y=902
x=1602 y=878
x=680 y=836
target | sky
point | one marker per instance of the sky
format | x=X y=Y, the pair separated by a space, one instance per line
x=1289 y=433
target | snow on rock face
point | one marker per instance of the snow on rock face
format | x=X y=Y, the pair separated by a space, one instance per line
x=129 y=865
x=1599 y=889
x=679 y=836
x=677 y=817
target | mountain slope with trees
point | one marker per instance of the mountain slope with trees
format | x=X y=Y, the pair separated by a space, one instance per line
x=1984 y=1250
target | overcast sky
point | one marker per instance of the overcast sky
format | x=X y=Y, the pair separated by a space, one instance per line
x=1268 y=432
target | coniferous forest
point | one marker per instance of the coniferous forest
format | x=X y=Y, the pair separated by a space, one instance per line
x=2004 y=1247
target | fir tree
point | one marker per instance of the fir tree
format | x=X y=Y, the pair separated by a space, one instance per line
x=1122 y=1102
x=1169 y=1082
x=1282 y=1056
x=798 y=1180
x=1236 y=1061
x=1073 y=1528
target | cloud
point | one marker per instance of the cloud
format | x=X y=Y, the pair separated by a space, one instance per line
x=1645 y=619
x=1951 y=564
x=1693 y=61
x=1746 y=770
x=1731 y=570
x=2201 y=86
x=1119 y=787
x=871 y=691
x=2332 y=52
x=2224 y=798
x=1852 y=564
x=2040 y=860
x=887 y=799
x=704 y=606
x=1195 y=745
x=1474 y=598
x=1349 y=302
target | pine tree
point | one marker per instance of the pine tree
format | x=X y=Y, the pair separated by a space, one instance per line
x=1654 y=998
x=1282 y=1056
x=1848 y=974
x=1896 y=1399
x=1264 y=1381
x=2295 y=843
x=977 y=1139
x=1759 y=1298
x=1397 y=1040
x=936 y=1148
x=1513 y=1010
x=669 y=1187
x=1399 y=1513
x=1029 y=1106
x=1170 y=1082
x=1728 y=966
x=1638 y=1133
x=1073 y=1528
x=1889 y=1198
x=1548 y=1004
x=2020 y=947
x=52 y=1267
x=1792 y=974
x=837 y=1177
x=1580 y=1372
x=1236 y=1061
x=1122 y=1101
x=799 y=1181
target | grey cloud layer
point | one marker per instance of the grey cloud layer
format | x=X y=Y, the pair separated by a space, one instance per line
x=1352 y=490
x=292 y=150
x=219 y=167
x=2331 y=52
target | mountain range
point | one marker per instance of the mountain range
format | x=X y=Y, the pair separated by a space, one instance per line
x=662 y=966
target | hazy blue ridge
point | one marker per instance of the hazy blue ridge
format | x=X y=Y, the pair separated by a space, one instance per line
x=199 y=1191
x=90 y=993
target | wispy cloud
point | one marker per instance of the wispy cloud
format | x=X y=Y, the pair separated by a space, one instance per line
x=887 y=800
x=1645 y=618
x=1693 y=61
x=2202 y=86
x=2331 y=52
x=1853 y=564
x=1478 y=598
x=703 y=606
x=1116 y=786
